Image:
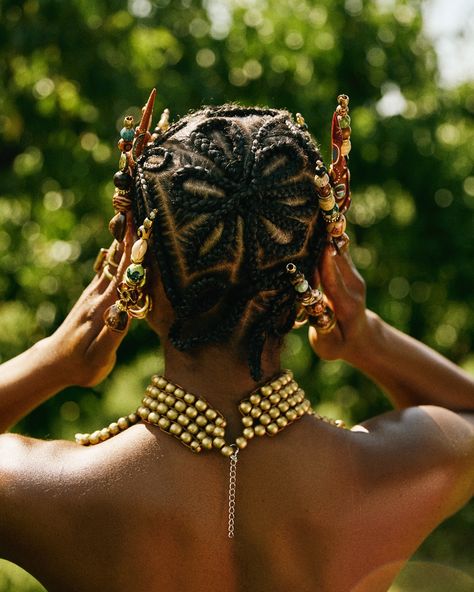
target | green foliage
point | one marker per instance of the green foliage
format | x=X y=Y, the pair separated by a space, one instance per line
x=73 y=69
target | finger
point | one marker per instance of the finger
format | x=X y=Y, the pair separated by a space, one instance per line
x=110 y=268
x=106 y=344
x=331 y=278
x=349 y=272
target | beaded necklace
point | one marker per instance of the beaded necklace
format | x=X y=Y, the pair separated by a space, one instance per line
x=198 y=426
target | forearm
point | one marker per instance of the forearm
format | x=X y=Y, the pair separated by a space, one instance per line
x=410 y=372
x=28 y=380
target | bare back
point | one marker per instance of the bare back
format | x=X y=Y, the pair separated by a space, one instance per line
x=318 y=508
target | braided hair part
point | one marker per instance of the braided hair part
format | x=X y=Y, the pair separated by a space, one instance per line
x=236 y=201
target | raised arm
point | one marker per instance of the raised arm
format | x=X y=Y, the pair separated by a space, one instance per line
x=81 y=352
x=410 y=372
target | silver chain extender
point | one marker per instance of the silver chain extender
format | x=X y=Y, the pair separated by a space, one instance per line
x=232 y=488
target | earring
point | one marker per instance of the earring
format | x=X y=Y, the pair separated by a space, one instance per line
x=133 y=301
x=313 y=304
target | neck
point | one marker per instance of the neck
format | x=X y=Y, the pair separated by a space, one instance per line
x=220 y=375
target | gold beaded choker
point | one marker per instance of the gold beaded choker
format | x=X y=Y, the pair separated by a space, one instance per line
x=198 y=426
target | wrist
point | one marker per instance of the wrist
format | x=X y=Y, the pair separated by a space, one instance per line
x=368 y=341
x=53 y=359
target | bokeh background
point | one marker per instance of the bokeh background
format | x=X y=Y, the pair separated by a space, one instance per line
x=71 y=70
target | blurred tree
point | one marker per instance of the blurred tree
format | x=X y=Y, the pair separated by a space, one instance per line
x=71 y=70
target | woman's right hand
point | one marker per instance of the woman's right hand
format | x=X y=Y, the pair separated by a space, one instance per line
x=345 y=289
x=83 y=349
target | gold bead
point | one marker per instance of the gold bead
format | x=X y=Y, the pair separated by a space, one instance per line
x=346 y=147
x=255 y=399
x=227 y=450
x=218 y=442
x=162 y=408
x=143 y=412
x=114 y=427
x=179 y=393
x=161 y=397
x=265 y=404
x=291 y=415
x=191 y=412
x=209 y=429
x=274 y=412
x=247 y=421
x=154 y=417
x=281 y=422
x=104 y=434
x=248 y=433
x=133 y=418
x=153 y=392
x=221 y=422
x=284 y=406
x=183 y=420
x=186 y=437
x=94 y=438
x=193 y=428
x=189 y=398
x=153 y=405
x=259 y=430
x=272 y=428
x=200 y=419
x=245 y=407
x=265 y=419
x=180 y=406
x=172 y=413
x=195 y=447
x=147 y=401
x=211 y=414
x=241 y=442
x=170 y=388
x=276 y=385
x=170 y=400
x=160 y=382
x=201 y=435
x=289 y=373
x=82 y=439
x=300 y=410
x=256 y=412
x=266 y=390
x=206 y=443
x=201 y=405
x=175 y=429
x=164 y=423
x=218 y=431
x=340 y=423
x=275 y=398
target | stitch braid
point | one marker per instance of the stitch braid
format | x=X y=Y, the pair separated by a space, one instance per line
x=236 y=201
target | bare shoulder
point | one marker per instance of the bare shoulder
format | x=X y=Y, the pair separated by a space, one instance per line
x=427 y=447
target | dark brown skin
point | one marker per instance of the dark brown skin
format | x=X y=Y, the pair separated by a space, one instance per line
x=318 y=508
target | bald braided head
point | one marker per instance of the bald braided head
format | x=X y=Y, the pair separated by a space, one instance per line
x=236 y=201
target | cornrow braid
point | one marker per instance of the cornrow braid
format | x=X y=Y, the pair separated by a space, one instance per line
x=236 y=201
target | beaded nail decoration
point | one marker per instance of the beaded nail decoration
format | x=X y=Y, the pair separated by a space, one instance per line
x=199 y=427
x=333 y=186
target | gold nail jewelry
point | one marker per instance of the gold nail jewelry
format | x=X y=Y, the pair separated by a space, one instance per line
x=199 y=427
x=313 y=304
x=131 y=144
x=133 y=301
x=333 y=186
